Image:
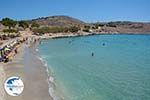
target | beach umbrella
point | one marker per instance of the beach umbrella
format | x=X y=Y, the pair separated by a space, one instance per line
x=7 y=49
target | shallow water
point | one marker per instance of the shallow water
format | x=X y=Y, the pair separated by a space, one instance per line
x=118 y=70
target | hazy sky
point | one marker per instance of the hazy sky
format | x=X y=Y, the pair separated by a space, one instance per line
x=86 y=10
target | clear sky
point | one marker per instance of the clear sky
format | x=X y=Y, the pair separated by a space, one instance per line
x=86 y=10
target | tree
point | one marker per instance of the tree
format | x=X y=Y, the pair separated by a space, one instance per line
x=73 y=29
x=35 y=25
x=8 y=22
x=10 y=31
x=111 y=24
x=23 y=24
x=98 y=25
x=86 y=28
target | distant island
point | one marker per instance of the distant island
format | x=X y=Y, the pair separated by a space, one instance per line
x=68 y=26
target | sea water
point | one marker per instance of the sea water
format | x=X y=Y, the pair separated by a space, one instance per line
x=99 y=67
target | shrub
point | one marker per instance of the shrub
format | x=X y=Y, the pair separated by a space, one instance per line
x=73 y=29
x=35 y=25
x=98 y=25
x=10 y=31
x=87 y=27
x=111 y=24
x=41 y=30
x=8 y=22
x=86 y=30
x=55 y=29
x=23 y=24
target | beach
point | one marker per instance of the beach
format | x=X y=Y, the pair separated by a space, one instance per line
x=100 y=72
x=2 y=79
x=31 y=70
x=34 y=75
x=69 y=50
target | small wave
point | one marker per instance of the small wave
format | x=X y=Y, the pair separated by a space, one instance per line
x=52 y=92
x=45 y=64
x=40 y=58
x=36 y=50
x=51 y=81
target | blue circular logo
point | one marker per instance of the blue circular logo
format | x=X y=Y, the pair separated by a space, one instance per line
x=14 y=86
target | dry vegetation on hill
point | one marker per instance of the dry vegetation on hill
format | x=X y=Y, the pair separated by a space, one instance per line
x=56 y=24
x=60 y=21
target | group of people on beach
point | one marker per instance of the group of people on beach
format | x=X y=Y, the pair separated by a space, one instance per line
x=9 y=50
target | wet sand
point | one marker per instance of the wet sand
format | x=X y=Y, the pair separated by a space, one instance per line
x=31 y=70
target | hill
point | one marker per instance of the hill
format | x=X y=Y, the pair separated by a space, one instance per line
x=123 y=27
x=64 y=21
x=107 y=27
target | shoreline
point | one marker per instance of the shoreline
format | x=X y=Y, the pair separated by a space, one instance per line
x=33 y=74
x=50 y=80
x=62 y=35
x=50 y=77
x=39 y=74
x=30 y=72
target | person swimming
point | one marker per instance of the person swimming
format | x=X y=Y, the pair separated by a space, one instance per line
x=92 y=54
x=69 y=42
x=103 y=44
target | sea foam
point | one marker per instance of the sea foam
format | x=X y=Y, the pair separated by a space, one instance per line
x=50 y=80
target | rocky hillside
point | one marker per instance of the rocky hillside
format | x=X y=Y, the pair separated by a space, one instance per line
x=64 y=21
x=124 y=27
x=100 y=27
x=1 y=27
x=110 y=27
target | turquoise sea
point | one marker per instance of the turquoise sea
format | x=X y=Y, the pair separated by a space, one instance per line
x=99 y=67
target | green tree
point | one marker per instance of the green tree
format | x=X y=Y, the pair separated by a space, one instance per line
x=10 y=31
x=8 y=22
x=86 y=28
x=23 y=24
x=98 y=25
x=74 y=29
x=35 y=25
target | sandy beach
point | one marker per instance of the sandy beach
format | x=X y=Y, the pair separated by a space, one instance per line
x=26 y=65
x=31 y=70
x=2 y=79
